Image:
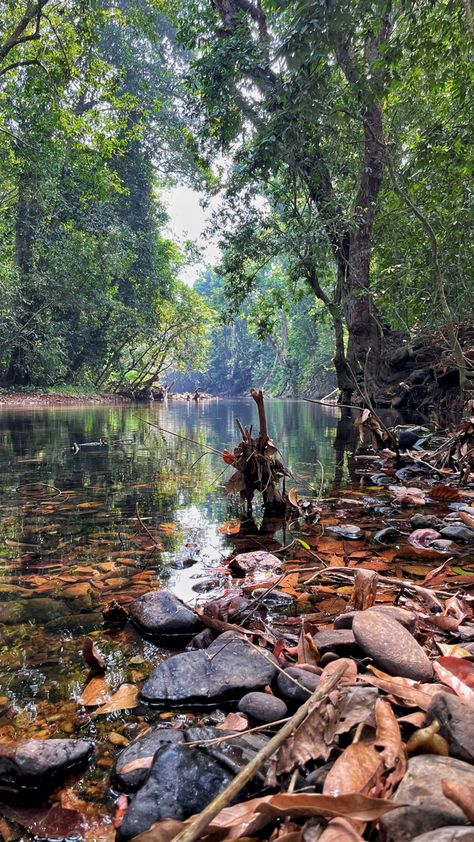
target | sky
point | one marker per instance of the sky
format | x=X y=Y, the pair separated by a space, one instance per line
x=188 y=221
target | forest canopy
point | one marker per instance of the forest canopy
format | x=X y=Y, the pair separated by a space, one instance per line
x=338 y=140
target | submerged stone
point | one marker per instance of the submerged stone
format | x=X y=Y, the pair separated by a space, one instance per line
x=133 y=763
x=258 y=560
x=228 y=668
x=161 y=613
x=37 y=764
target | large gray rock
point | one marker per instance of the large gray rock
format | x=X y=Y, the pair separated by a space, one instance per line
x=161 y=613
x=426 y=806
x=459 y=533
x=263 y=707
x=401 y=615
x=134 y=762
x=447 y=834
x=290 y=691
x=181 y=782
x=456 y=719
x=227 y=669
x=391 y=646
x=37 y=764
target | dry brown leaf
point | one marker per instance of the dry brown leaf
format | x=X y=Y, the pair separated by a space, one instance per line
x=407 y=691
x=92 y=656
x=467 y=519
x=355 y=770
x=453 y=650
x=133 y=765
x=125 y=697
x=444 y=492
x=428 y=741
x=458 y=674
x=340 y=830
x=389 y=739
x=407 y=496
x=353 y=805
x=234 y=722
x=96 y=692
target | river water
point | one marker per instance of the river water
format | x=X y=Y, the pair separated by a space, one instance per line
x=71 y=543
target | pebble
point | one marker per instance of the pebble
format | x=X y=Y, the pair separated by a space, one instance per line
x=290 y=691
x=244 y=563
x=335 y=640
x=391 y=646
x=460 y=533
x=161 y=613
x=263 y=707
x=426 y=807
x=456 y=719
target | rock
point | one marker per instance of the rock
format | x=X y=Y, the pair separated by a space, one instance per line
x=226 y=670
x=341 y=641
x=401 y=615
x=391 y=646
x=456 y=719
x=459 y=533
x=37 y=764
x=244 y=563
x=387 y=536
x=346 y=532
x=234 y=752
x=161 y=613
x=142 y=751
x=447 y=834
x=263 y=707
x=181 y=782
x=290 y=691
x=419 y=521
x=426 y=806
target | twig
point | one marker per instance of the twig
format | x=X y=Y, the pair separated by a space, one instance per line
x=145 y=527
x=216 y=740
x=201 y=822
x=178 y=436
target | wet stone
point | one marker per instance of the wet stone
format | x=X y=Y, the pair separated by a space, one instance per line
x=389 y=535
x=133 y=764
x=181 y=782
x=290 y=691
x=227 y=669
x=263 y=707
x=461 y=534
x=426 y=807
x=38 y=764
x=391 y=646
x=161 y=613
x=259 y=560
x=420 y=521
x=456 y=719
x=335 y=640
x=233 y=753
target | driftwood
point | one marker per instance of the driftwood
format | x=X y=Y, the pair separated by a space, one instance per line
x=257 y=466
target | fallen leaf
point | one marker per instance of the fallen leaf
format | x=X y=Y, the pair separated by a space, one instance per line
x=444 y=492
x=96 y=692
x=406 y=691
x=453 y=650
x=355 y=770
x=340 y=830
x=428 y=741
x=125 y=697
x=458 y=674
x=92 y=656
x=234 y=722
x=406 y=496
x=230 y=527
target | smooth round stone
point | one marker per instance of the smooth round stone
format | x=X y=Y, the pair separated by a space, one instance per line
x=290 y=691
x=263 y=707
x=391 y=646
x=401 y=615
x=161 y=613
x=335 y=640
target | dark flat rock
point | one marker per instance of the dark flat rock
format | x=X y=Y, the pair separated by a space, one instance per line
x=447 y=834
x=456 y=719
x=426 y=807
x=263 y=707
x=233 y=753
x=134 y=762
x=37 y=764
x=290 y=691
x=182 y=781
x=461 y=534
x=161 y=613
x=391 y=646
x=227 y=669
x=341 y=641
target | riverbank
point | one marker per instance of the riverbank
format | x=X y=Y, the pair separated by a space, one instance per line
x=23 y=400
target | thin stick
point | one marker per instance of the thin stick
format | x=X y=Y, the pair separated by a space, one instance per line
x=145 y=528
x=178 y=436
x=216 y=740
x=383 y=580
x=201 y=822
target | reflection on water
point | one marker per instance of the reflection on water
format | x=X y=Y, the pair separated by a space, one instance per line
x=72 y=545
